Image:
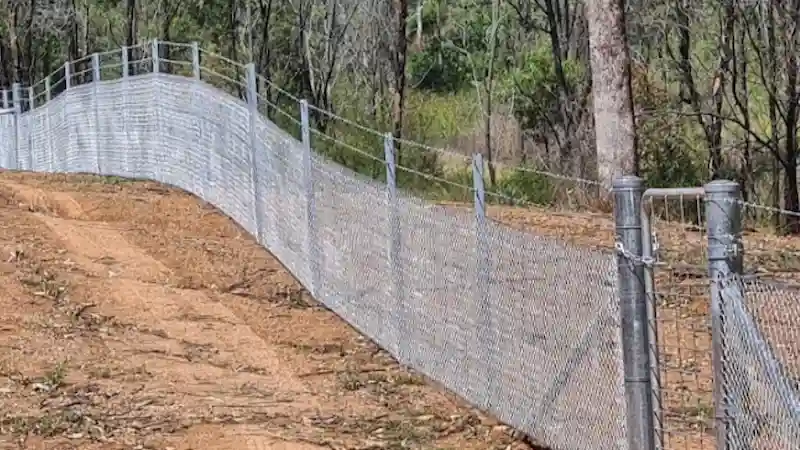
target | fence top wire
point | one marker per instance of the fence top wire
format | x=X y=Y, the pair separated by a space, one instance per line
x=144 y=50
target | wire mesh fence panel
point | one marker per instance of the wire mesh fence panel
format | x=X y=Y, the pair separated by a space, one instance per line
x=761 y=364
x=682 y=321
x=523 y=326
x=762 y=359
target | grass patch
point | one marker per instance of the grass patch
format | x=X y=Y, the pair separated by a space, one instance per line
x=54 y=378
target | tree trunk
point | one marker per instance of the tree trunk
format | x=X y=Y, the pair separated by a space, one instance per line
x=611 y=80
x=741 y=92
x=772 y=90
x=790 y=194
x=399 y=68
x=489 y=85
x=130 y=34
x=265 y=54
x=791 y=199
x=74 y=40
x=566 y=147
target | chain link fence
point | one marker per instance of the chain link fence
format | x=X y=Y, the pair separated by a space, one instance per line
x=760 y=306
x=761 y=365
x=523 y=326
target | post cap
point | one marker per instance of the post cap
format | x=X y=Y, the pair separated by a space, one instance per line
x=627 y=182
x=721 y=187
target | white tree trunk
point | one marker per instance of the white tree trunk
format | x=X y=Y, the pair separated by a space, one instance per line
x=611 y=90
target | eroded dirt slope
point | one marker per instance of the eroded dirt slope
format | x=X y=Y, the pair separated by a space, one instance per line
x=134 y=316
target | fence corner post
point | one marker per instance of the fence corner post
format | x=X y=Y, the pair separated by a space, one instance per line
x=628 y=191
x=311 y=220
x=196 y=60
x=725 y=260
x=16 y=98
x=484 y=332
x=255 y=168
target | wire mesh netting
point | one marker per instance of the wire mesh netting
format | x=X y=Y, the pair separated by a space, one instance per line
x=760 y=336
x=761 y=366
x=682 y=322
x=524 y=326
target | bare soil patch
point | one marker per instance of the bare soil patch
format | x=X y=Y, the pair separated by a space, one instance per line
x=134 y=316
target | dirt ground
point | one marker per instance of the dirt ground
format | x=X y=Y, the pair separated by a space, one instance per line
x=133 y=316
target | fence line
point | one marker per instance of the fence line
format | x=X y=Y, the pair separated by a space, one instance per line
x=525 y=327
x=559 y=341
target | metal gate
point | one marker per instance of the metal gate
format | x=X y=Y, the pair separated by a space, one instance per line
x=672 y=322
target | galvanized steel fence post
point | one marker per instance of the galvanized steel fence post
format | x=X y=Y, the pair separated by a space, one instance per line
x=311 y=221
x=196 y=60
x=628 y=192
x=125 y=62
x=65 y=116
x=155 y=56
x=7 y=157
x=48 y=95
x=217 y=144
x=125 y=73
x=483 y=336
x=255 y=169
x=96 y=105
x=29 y=132
x=158 y=142
x=725 y=260
x=16 y=97
x=67 y=75
x=397 y=323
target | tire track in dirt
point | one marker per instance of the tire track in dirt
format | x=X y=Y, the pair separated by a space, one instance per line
x=193 y=345
x=56 y=203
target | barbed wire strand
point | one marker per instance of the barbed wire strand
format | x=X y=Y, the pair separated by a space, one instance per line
x=507 y=198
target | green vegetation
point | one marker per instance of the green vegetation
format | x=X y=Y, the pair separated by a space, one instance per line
x=711 y=101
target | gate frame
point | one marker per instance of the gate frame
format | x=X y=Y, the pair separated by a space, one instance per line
x=635 y=242
x=648 y=243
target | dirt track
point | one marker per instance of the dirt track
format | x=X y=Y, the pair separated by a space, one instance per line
x=133 y=316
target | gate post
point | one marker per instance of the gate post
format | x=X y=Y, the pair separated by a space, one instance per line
x=628 y=192
x=725 y=259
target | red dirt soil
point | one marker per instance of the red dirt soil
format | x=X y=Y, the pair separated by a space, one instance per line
x=135 y=316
